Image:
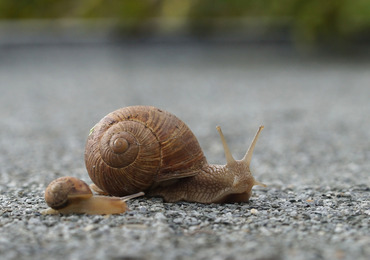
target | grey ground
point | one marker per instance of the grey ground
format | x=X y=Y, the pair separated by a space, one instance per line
x=313 y=153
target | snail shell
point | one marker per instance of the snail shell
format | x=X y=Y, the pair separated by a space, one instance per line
x=61 y=190
x=134 y=148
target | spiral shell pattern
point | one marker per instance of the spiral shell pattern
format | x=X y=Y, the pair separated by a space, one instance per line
x=63 y=189
x=133 y=148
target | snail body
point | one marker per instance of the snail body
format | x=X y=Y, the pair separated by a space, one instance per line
x=143 y=148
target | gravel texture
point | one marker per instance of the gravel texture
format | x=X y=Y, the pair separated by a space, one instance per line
x=313 y=153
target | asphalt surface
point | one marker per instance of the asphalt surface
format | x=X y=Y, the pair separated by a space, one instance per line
x=313 y=153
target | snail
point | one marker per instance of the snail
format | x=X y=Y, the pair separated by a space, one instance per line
x=143 y=148
x=71 y=195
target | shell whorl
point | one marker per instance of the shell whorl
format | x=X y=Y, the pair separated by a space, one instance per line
x=119 y=146
x=132 y=148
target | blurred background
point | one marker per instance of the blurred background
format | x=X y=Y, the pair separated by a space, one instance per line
x=288 y=64
x=300 y=68
x=331 y=23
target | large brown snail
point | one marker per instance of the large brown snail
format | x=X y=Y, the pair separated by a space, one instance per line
x=143 y=148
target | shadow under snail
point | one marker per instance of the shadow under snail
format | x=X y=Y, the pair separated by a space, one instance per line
x=146 y=149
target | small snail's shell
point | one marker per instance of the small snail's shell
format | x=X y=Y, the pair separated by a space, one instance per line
x=133 y=148
x=61 y=190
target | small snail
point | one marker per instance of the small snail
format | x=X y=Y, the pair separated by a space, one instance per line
x=143 y=148
x=70 y=195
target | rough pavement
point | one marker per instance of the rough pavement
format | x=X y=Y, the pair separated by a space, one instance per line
x=313 y=153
